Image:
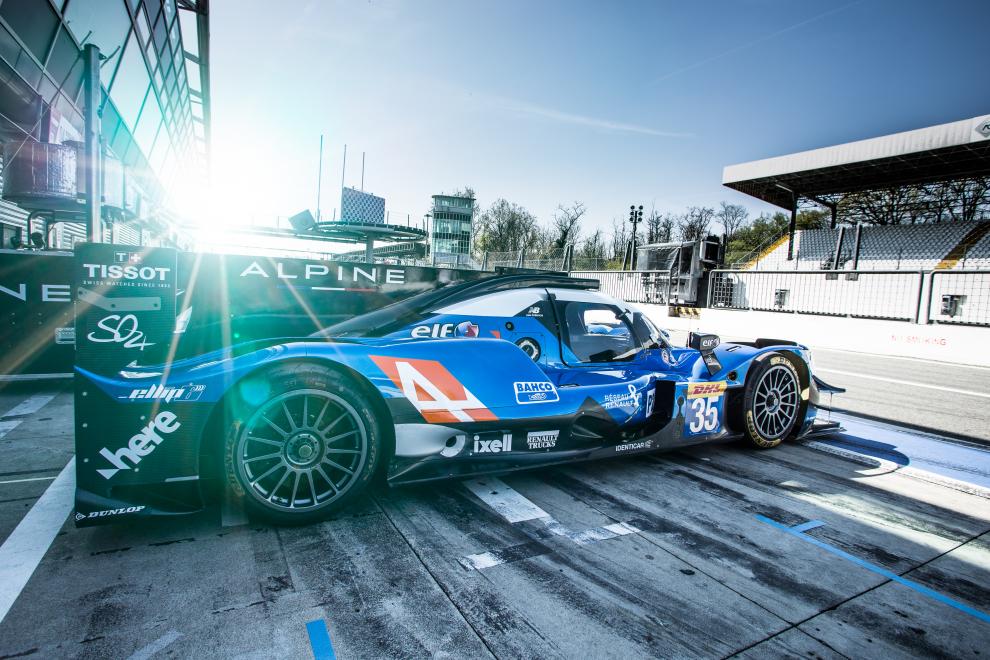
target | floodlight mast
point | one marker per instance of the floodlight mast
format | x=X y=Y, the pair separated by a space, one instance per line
x=635 y=217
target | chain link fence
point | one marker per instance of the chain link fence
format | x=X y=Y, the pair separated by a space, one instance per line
x=959 y=296
x=892 y=295
x=650 y=286
x=552 y=260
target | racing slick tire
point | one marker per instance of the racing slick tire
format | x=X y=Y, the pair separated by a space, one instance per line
x=772 y=401
x=303 y=442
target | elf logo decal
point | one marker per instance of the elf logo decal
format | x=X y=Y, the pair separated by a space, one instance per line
x=433 y=390
x=535 y=392
x=442 y=330
x=141 y=444
x=701 y=390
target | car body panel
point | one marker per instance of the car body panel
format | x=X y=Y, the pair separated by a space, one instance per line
x=462 y=393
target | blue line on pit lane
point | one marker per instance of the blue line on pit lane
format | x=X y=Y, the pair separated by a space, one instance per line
x=798 y=531
x=319 y=640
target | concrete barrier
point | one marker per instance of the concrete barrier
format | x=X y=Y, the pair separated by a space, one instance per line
x=945 y=343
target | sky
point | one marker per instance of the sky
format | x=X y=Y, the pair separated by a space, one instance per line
x=547 y=103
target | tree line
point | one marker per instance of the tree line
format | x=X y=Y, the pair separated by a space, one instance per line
x=505 y=226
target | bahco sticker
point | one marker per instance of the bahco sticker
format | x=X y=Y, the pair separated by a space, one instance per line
x=700 y=390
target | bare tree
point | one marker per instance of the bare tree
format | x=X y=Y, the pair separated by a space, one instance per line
x=466 y=191
x=566 y=224
x=695 y=223
x=960 y=199
x=971 y=195
x=505 y=226
x=889 y=206
x=619 y=238
x=666 y=232
x=732 y=217
x=593 y=250
x=659 y=227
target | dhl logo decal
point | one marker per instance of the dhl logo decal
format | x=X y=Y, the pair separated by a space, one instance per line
x=701 y=390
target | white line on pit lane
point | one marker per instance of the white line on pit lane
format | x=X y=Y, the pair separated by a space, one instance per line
x=909 y=383
x=26 y=546
x=156 y=646
x=27 y=407
x=508 y=503
x=515 y=508
x=21 y=481
x=934 y=363
x=18 y=378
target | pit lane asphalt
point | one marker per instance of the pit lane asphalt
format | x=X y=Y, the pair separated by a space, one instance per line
x=702 y=575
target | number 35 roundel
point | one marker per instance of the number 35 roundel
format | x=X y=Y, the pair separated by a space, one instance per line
x=703 y=412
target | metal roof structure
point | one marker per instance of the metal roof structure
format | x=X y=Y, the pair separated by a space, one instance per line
x=937 y=153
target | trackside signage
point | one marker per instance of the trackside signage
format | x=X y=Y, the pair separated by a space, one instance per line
x=140 y=444
x=125 y=305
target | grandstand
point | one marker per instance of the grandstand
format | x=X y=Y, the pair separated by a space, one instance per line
x=872 y=264
x=946 y=245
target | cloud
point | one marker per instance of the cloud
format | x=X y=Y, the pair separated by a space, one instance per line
x=523 y=108
x=755 y=42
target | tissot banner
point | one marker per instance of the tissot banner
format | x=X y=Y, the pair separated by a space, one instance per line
x=125 y=306
x=218 y=300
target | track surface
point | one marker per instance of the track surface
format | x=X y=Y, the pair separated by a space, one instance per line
x=437 y=571
x=945 y=398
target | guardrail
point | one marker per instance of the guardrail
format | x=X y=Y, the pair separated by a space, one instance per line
x=959 y=296
x=876 y=294
x=640 y=286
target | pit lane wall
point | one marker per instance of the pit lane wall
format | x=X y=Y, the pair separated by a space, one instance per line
x=964 y=345
x=219 y=299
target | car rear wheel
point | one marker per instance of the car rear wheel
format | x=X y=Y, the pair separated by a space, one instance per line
x=772 y=402
x=309 y=444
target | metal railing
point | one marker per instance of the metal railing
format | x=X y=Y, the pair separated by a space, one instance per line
x=877 y=294
x=639 y=286
x=552 y=260
x=959 y=296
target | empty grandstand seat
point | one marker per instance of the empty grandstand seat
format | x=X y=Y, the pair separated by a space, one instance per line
x=889 y=247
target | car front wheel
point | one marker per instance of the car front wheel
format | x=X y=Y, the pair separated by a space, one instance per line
x=311 y=444
x=772 y=401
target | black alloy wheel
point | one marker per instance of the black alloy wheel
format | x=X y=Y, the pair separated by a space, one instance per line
x=312 y=445
x=772 y=402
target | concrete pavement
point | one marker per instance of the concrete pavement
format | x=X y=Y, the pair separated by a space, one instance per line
x=703 y=574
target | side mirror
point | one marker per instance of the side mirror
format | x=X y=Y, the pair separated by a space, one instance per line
x=706 y=344
x=703 y=343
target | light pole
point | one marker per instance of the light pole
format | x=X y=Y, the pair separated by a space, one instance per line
x=429 y=237
x=635 y=217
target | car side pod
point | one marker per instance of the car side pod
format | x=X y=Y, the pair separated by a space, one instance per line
x=706 y=345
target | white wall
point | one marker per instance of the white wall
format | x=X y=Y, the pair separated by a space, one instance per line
x=945 y=343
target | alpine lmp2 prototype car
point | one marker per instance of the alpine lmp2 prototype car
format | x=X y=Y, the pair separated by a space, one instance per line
x=492 y=375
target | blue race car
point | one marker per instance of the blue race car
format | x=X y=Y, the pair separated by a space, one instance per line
x=493 y=375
